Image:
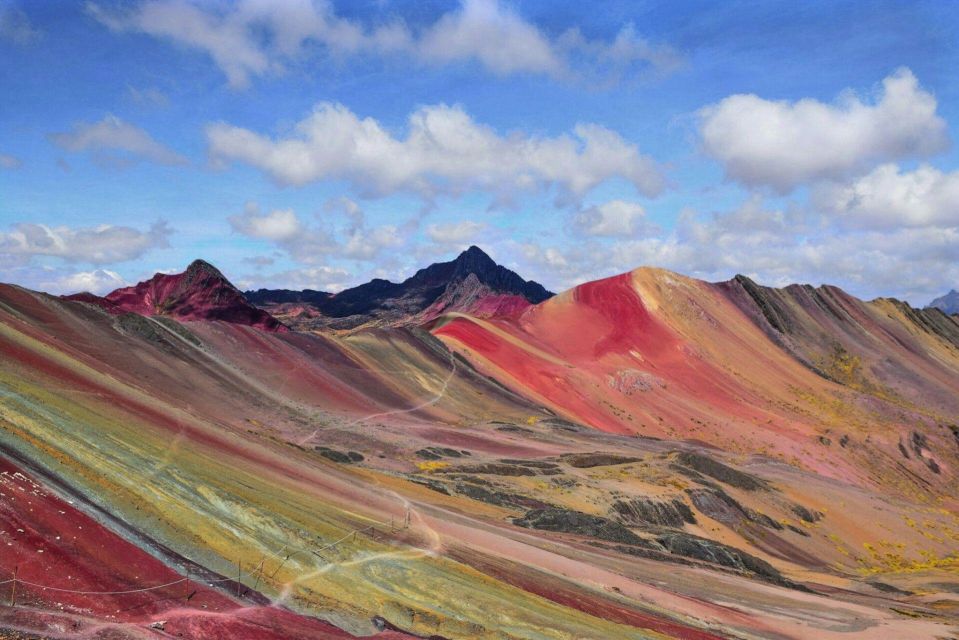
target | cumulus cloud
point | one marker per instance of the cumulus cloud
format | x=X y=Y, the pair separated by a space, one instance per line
x=322 y=278
x=99 y=281
x=9 y=162
x=616 y=218
x=258 y=37
x=774 y=245
x=783 y=144
x=445 y=151
x=315 y=243
x=495 y=36
x=15 y=26
x=116 y=143
x=888 y=197
x=279 y=225
x=455 y=233
x=100 y=245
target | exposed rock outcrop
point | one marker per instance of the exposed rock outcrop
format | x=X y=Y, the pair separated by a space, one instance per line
x=471 y=283
x=646 y=512
x=583 y=524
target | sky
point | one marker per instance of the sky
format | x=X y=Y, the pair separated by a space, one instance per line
x=318 y=144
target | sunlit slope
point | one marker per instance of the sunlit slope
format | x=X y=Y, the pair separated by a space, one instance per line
x=654 y=353
x=883 y=347
x=192 y=475
x=379 y=477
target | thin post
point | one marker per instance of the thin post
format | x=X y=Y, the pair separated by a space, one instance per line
x=259 y=573
x=239 y=565
x=407 y=517
x=13 y=588
x=392 y=529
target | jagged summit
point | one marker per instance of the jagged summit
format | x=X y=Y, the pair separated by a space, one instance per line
x=948 y=303
x=472 y=282
x=200 y=266
x=201 y=292
x=476 y=261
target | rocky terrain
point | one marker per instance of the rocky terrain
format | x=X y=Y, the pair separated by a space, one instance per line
x=471 y=283
x=644 y=456
x=948 y=303
x=199 y=293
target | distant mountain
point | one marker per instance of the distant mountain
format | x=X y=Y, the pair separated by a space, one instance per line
x=262 y=297
x=948 y=303
x=199 y=293
x=472 y=283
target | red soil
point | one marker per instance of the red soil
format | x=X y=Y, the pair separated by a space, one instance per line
x=51 y=543
x=199 y=293
x=567 y=351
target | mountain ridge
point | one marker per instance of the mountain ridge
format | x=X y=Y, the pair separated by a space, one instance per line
x=200 y=292
x=438 y=288
x=763 y=427
x=948 y=303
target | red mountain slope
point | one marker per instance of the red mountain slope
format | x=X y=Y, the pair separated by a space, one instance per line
x=199 y=293
x=841 y=390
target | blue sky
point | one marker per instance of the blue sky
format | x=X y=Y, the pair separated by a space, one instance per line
x=318 y=144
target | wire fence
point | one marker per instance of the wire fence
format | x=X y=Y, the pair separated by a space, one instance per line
x=258 y=572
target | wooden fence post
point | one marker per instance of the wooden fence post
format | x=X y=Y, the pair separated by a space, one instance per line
x=13 y=587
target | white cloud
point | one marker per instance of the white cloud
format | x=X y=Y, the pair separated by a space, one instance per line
x=279 y=225
x=224 y=38
x=9 y=162
x=888 y=197
x=455 y=233
x=116 y=142
x=616 y=218
x=365 y=243
x=15 y=26
x=775 y=246
x=311 y=244
x=323 y=278
x=444 y=151
x=497 y=37
x=784 y=144
x=99 y=281
x=258 y=37
x=104 y=244
x=550 y=258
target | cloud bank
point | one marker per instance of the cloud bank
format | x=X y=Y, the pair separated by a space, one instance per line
x=781 y=144
x=256 y=38
x=100 y=245
x=114 y=142
x=445 y=151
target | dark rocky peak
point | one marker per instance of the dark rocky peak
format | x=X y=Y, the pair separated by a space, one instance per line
x=285 y=296
x=477 y=262
x=948 y=303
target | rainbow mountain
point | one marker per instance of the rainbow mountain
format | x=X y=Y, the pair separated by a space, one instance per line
x=465 y=455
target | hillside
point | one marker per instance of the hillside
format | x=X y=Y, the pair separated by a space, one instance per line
x=643 y=456
x=470 y=283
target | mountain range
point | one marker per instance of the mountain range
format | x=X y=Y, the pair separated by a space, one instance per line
x=948 y=303
x=465 y=455
x=471 y=283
